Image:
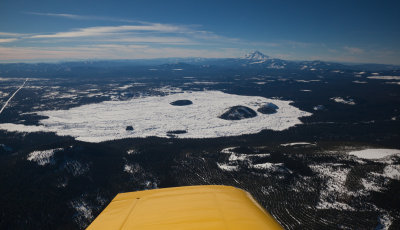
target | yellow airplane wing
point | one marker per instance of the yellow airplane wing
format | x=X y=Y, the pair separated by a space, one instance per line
x=206 y=207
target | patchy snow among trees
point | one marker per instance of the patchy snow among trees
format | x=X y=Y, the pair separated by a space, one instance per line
x=42 y=157
x=348 y=101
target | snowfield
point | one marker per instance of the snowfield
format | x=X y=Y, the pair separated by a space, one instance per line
x=155 y=116
x=371 y=154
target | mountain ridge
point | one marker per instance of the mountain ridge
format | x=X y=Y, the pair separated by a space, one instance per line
x=255 y=61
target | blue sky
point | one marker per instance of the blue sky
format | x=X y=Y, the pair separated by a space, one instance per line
x=332 y=30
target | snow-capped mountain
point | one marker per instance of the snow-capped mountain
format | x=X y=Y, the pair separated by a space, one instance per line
x=256 y=56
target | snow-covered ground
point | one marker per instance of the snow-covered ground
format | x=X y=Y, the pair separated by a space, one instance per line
x=334 y=188
x=307 y=81
x=384 y=222
x=385 y=156
x=374 y=153
x=227 y=167
x=393 y=83
x=132 y=152
x=392 y=172
x=235 y=158
x=155 y=116
x=76 y=168
x=42 y=157
x=385 y=77
x=360 y=82
x=12 y=95
x=83 y=211
x=335 y=194
x=297 y=143
x=267 y=166
x=343 y=101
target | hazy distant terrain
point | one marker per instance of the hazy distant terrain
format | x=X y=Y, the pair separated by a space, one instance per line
x=327 y=158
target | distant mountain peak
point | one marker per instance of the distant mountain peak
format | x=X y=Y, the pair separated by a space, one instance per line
x=256 y=56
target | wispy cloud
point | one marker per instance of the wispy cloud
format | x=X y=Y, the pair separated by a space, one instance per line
x=6 y=34
x=266 y=44
x=353 y=50
x=4 y=40
x=140 y=26
x=134 y=32
x=84 y=17
x=152 y=39
x=107 y=30
x=71 y=16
